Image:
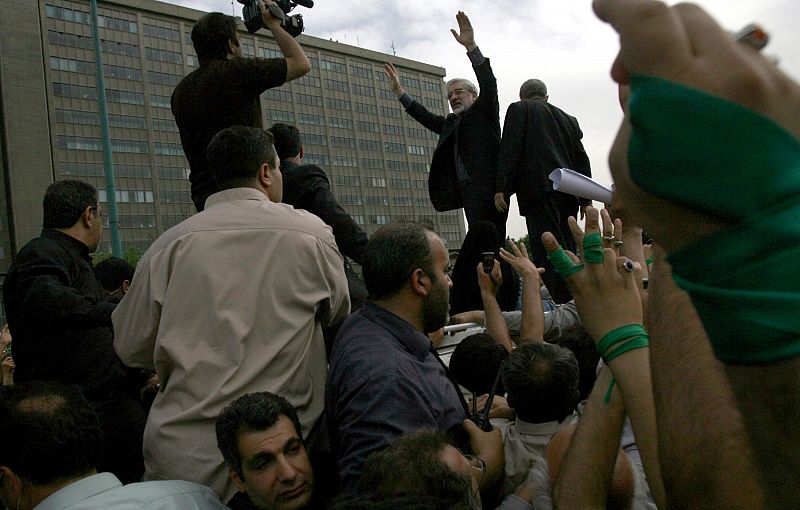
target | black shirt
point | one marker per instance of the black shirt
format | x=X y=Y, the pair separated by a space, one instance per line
x=218 y=95
x=58 y=318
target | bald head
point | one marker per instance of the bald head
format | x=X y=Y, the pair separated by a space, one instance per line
x=533 y=89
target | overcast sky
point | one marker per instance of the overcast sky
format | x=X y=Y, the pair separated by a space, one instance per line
x=560 y=42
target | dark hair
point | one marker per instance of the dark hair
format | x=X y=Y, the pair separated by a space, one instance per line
x=211 y=34
x=542 y=382
x=392 y=254
x=253 y=412
x=286 y=139
x=65 y=201
x=236 y=153
x=50 y=432
x=583 y=347
x=413 y=466
x=112 y=271
x=533 y=88
x=476 y=361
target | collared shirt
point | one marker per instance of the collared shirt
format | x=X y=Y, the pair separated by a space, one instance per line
x=58 y=317
x=104 y=490
x=230 y=301
x=525 y=445
x=383 y=382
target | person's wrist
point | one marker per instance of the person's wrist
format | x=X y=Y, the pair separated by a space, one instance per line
x=470 y=46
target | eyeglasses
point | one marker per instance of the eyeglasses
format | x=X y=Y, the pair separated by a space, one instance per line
x=457 y=92
x=478 y=466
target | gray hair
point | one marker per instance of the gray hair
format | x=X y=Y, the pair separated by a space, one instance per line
x=533 y=88
x=468 y=85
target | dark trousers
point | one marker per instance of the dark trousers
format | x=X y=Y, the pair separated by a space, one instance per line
x=479 y=207
x=122 y=420
x=550 y=215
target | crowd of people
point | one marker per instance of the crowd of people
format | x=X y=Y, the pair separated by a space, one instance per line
x=243 y=364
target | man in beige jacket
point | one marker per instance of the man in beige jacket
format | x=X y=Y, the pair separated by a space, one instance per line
x=228 y=302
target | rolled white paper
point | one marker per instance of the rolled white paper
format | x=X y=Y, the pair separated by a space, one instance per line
x=571 y=182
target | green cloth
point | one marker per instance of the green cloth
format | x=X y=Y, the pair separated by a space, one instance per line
x=563 y=264
x=723 y=159
x=593 y=248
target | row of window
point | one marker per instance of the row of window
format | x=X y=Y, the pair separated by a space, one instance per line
x=82 y=42
x=125 y=196
x=84 y=143
x=97 y=170
x=82 y=66
x=117 y=24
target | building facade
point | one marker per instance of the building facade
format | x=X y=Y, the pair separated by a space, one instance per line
x=376 y=156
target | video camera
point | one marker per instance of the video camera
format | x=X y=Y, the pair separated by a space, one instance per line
x=292 y=24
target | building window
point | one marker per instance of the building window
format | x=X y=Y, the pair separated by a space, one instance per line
x=162 y=55
x=372 y=145
x=280 y=115
x=345 y=161
x=371 y=163
x=395 y=147
x=337 y=122
x=348 y=180
x=377 y=182
x=363 y=90
x=343 y=141
x=329 y=65
x=163 y=78
x=391 y=129
x=372 y=127
x=316 y=159
x=314 y=138
x=269 y=53
x=308 y=99
x=162 y=33
x=160 y=101
x=341 y=86
x=363 y=72
x=278 y=95
x=338 y=104
x=381 y=219
x=167 y=149
x=417 y=149
x=307 y=118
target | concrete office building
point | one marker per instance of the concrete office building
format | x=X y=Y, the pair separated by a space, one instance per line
x=376 y=156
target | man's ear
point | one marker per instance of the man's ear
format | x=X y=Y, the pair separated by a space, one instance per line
x=302 y=152
x=236 y=479
x=264 y=175
x=88 y=217
x=9 y=483
x=420 y=282
x=126 y=284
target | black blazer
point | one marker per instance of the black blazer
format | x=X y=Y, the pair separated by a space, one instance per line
x=477 y=131
x=538 y=138
x=307 y=187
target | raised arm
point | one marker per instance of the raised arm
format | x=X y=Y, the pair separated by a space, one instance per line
x=532 y=327
x=584 y=480
x=495 y=322
x=608 y=300
x=297 y=64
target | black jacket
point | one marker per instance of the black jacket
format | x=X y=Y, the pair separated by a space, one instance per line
x=538 y=138
x=307 y=187
x=477 y=133
x=60 y=324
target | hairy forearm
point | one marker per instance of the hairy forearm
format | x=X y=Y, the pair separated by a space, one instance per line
x=588 y=468
x=632 y=372
x=703 y=447
x=297 y=64
x=495 y=322
x=532 y=327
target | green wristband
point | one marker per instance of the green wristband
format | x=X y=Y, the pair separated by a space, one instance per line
x=649 y=261
x=593 y=248
x=635 y=343
x=563 y=264
x=616 y=336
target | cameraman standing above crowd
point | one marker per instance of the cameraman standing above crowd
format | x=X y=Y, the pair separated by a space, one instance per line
x=224 y=91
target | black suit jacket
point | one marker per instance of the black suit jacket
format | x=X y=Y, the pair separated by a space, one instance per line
x=538 y=138
x=477 y=133
x=307 y=187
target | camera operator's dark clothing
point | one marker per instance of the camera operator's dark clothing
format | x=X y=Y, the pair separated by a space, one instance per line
x=464 y=165
x=218 y=95
x=307 y=187
x=61 y=327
